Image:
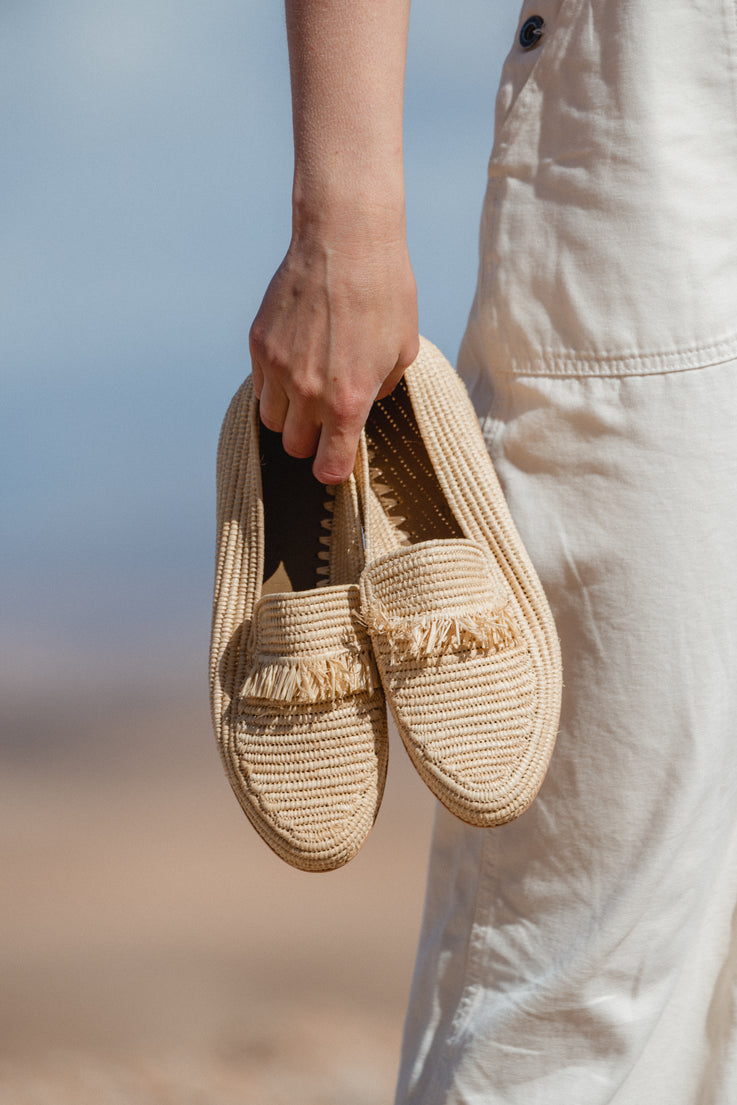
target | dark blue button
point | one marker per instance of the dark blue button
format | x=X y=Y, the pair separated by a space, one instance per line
x=531 y=32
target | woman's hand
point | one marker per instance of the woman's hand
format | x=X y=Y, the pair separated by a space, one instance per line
x=336 y=329
x=338 y=324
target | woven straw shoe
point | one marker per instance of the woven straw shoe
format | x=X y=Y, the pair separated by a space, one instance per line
x=297 y=705
x=461 y=629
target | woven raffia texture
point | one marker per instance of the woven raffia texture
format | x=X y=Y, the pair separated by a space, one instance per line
x=297 y=705
x=461 y=629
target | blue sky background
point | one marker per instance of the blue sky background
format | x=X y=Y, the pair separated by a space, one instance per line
x=144 y=206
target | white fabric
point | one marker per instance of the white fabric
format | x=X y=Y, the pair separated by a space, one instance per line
x=586 y=954
x=609 y=233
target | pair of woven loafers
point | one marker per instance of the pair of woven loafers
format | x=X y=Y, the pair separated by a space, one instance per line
x=407 y=584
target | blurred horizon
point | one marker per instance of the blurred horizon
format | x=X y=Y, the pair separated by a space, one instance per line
x=153 y=947
x=146 y=205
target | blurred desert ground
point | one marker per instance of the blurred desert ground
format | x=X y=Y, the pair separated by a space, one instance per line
x=155 y=951
x=152 y=949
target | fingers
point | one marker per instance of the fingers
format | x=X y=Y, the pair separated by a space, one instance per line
x=333 y=445
x=335 y=462
x=329 y=431
x=338 y=442
x=301 y=432
x=337 y=328
x=258 y=375
x=273 y=405
x=292 y=419
x=391 y=381
x=407 y=355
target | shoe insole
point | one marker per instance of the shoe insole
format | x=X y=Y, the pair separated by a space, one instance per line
x=402 y=473
x=294 y=508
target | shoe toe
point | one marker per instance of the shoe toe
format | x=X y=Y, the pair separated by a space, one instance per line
x=309 y=746
x=312 y=777
x=459 y=675
x=476 y=758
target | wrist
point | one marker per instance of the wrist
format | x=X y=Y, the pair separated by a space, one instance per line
x=347 y=202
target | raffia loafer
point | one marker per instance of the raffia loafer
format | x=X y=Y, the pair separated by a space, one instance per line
x=461 y=630
x=297 y=706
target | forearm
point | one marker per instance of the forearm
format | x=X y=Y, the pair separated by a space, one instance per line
x=338 y=324
x=347 y=62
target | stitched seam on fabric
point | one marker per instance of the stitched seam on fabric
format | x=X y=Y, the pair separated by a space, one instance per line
x=733 y=52
x=493 y=422
x=471 y=967
x=635 y=354
x=551 y=363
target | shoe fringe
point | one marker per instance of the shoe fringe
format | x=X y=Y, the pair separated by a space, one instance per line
x=486 y=630
x=310 y=678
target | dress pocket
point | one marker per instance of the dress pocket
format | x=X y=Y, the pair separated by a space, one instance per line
x=528 y=63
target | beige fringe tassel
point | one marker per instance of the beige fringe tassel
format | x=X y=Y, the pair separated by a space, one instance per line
x=310 y=678
x=486 y=630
